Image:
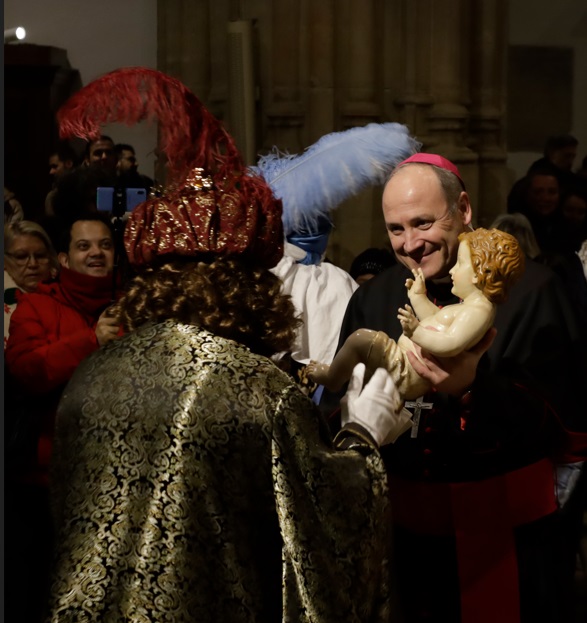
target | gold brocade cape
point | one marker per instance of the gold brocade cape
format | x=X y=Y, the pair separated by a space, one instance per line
x=193 y=481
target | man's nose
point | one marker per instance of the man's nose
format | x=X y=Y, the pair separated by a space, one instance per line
x=33 y=261
x=412 y=240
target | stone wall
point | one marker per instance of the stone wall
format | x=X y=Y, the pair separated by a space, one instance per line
x=326 y=65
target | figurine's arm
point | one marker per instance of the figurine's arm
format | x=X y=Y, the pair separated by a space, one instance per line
x=408 y=320
x=468 y=327
x=355 y=350
x=416 y=287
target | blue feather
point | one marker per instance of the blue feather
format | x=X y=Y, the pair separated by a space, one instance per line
x=336 y=167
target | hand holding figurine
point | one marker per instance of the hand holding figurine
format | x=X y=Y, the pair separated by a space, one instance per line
x=452 y=375
x=376 y=406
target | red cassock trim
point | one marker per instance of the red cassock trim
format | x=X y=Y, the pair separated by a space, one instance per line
x=481 y=515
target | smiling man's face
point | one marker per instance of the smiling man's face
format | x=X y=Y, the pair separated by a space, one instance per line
x=423 y=230
x=91 y=250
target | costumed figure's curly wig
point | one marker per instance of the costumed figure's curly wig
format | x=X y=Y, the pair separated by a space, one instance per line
x=228 y=297
x=497 y=259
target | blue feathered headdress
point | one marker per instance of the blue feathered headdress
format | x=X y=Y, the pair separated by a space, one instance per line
x=336 y=167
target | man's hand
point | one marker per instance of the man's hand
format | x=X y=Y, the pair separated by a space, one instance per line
x=452 y=375
x=107 y=327
x=408 y=320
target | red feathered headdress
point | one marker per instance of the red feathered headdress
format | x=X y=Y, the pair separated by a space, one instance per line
x=212 y=205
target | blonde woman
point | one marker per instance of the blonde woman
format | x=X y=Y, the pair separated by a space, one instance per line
x=29 y=258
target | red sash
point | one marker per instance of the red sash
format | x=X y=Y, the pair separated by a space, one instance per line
x=481 y=515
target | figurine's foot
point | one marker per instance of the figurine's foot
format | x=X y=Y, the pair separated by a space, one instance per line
x=318 y=372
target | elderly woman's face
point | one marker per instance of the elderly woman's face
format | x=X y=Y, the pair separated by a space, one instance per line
x=27 y=261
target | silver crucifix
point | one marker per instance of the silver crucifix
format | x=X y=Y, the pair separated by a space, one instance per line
x=417 y=405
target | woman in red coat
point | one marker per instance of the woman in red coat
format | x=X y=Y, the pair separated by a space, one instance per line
x=51 y=331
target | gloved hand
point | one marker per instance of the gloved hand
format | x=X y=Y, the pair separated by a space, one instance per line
x=377 y=406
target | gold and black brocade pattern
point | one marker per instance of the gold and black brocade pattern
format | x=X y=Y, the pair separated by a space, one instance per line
x=193 y=481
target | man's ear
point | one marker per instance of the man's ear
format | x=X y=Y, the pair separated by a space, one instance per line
x=464 y=208
x=63 y=259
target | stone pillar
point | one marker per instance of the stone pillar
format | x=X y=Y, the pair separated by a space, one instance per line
x=488 y=106
x=449 y=84
x=359 y=80
x=283 y=102
x=358 y=84
x=319 y=67
x=410 y=43
x=184 y=34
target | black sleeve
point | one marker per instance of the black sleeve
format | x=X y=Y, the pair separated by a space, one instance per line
x=541 y=344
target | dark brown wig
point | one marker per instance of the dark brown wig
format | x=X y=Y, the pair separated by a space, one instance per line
x=226 y=296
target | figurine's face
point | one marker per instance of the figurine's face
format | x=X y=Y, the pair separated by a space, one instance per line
x=462 y=273
x=422 y=229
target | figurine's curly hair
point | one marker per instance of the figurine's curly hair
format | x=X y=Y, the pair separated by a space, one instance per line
x=225 y=296
x=497 y=259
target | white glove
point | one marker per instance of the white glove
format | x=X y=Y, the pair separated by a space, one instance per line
x=377 y=407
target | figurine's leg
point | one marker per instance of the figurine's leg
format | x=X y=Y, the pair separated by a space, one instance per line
x=318 y=372
x=354 y=350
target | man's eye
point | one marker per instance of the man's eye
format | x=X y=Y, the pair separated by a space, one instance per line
x=425 y=225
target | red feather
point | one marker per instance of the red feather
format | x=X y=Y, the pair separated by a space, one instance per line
x=189 y=135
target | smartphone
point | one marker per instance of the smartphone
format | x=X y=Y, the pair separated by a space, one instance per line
x=119 y=200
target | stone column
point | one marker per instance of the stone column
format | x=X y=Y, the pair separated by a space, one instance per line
x=359 y=39
x=319 y=67
x=449 y=84
x=409 y=56
x=359 y=51
x=488 y=106
x=283 y=102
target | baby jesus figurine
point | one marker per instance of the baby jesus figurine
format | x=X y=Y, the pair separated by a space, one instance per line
x=488 y=263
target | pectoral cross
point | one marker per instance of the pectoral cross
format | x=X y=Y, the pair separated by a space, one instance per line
x=417 y=405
